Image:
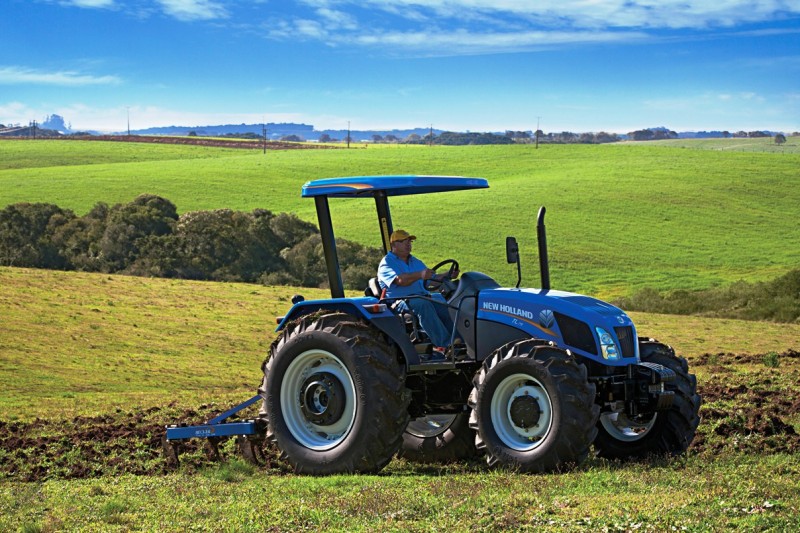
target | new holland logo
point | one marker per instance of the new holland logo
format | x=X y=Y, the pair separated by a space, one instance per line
x=546 y=319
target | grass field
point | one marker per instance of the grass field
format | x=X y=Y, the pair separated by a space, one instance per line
x=620 y=217
x=92 y=366
x=759 y=144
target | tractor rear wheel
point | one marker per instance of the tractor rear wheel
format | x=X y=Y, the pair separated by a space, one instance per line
x=439 y=439
x=667 y=432
x=533 y=408
x=335 y=396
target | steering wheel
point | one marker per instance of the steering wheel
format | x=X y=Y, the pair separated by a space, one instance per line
x=444 y=286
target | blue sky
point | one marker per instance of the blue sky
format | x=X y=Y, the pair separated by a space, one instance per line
x=478 y=65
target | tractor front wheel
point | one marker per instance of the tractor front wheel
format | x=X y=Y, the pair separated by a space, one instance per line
x=666 y=432
x=336 y=400
x=533 y=408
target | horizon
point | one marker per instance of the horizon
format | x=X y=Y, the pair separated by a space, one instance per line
x=453 y=65
x=314 y=130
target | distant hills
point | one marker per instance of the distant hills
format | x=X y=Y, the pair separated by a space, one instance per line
x=55 y=125
x=280 y=130
x=306 y=132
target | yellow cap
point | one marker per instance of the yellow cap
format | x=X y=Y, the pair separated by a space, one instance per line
x=401 y=235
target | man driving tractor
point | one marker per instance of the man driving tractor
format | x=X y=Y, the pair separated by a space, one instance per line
x=402 y=275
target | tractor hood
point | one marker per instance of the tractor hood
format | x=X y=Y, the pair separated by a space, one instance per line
x=587 y=326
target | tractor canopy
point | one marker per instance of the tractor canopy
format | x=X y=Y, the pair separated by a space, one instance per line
x=379 y=188
x=360 y=186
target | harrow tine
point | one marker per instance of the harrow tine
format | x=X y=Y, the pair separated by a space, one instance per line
x=171 y=451
x=212 y=448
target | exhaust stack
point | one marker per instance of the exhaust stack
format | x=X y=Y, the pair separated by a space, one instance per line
x=541 y=234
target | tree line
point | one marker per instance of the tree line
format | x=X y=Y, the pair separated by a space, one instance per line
x=147 y=237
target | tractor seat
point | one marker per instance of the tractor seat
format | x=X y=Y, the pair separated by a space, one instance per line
x=373 y=288
x=411 y=321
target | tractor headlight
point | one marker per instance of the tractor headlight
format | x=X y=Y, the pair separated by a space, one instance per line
x=607 y=344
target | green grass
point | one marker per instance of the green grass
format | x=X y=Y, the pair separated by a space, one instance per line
x=620 y=217
x=759 y=144
x=83 y=344
x=113 y=347
x=42 y=153
x=740 y=494
x=109 y=347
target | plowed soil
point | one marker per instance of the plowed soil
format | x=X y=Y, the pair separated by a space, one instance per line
x=749 y=406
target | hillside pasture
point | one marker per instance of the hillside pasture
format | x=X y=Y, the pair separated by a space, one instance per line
x=93 y=366
x=738 y=144
x=620 y=217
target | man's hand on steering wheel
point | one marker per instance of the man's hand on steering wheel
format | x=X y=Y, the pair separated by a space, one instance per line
x=442 y=282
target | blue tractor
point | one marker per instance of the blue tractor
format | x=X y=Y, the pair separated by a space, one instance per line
x=543 y=376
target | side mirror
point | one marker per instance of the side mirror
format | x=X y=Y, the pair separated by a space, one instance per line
x=512 y=250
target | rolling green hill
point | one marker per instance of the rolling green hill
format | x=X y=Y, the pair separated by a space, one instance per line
x=620 y=217
x=92 y=366
x=76 y=343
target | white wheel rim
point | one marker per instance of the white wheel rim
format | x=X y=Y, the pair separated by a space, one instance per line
x=622 y=428
x=314 y=436
x=516 y=437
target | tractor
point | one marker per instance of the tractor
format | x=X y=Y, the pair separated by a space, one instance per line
x=543 y=376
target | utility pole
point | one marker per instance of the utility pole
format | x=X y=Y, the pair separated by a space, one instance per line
x=128 y=111
x=33 y=128
x=537 y=132
x=430 y=136
x=264 y=132
x=348 y=134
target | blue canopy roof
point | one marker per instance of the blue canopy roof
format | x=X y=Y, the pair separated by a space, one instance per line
x=356 y=186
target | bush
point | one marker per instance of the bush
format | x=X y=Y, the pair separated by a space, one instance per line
x=147 y=238
x=777 y=300
x=127 y=224
x=26 y=232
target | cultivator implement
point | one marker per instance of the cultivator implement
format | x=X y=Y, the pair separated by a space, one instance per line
x=249 y=433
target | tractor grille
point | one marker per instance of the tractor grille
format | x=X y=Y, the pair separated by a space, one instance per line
x=576 y=333
x=627 y=342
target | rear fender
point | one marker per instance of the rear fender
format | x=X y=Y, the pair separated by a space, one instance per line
x=364 y=308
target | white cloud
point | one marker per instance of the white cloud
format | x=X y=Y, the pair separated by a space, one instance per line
x=464 y=42
x=310 y=28
x=188 y=10
x=15 y=113
x=604 y=13
x=92 y=3
x=20 y=75
x=489 y=26
x=335 y=19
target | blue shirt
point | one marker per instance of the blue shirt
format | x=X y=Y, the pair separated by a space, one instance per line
x=392 y=266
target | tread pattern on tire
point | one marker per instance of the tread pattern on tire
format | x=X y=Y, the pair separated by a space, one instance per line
x=379 y=378
x=455 y=443
x=674 y=429
x=572 y=439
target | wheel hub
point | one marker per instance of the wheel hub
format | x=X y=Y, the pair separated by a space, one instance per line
x=525 y=411
x=322 y=399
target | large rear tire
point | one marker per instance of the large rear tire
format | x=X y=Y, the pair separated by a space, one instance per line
x=533 y=408
x=667 y=432
x=439 y=439
x=335 y=396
